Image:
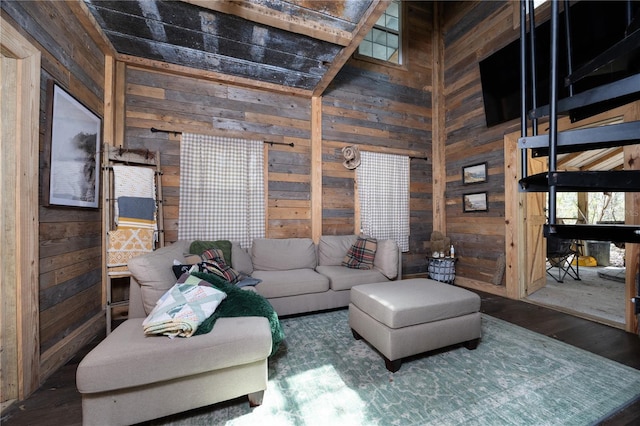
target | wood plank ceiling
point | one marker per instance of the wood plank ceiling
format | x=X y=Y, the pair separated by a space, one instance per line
x=296 y=46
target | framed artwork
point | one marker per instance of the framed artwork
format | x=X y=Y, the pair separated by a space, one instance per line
x=476 y=202
x=72 y=145
x=476 y=173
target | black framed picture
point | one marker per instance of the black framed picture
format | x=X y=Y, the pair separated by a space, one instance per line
x=476 y=173
x=476 y=202
x=72 y=145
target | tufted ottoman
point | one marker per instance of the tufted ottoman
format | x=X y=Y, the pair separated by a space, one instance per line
x=409 y=317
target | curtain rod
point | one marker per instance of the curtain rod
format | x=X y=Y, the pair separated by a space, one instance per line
x=154 y=130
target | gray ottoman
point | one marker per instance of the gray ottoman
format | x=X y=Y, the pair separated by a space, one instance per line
x=409 y=317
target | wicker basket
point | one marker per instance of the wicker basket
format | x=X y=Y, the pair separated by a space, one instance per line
x=442 y=269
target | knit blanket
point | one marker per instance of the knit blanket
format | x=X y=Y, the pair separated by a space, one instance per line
x=183 y=308
x=241 y=303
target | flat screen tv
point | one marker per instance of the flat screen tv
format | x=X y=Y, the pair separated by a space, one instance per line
x=595 y=26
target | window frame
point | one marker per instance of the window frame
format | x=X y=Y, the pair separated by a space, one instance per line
x=402 y=44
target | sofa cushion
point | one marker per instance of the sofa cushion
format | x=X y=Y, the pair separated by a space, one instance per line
x=240 y=259
x=290 y=283
x=128 y=358
x=361 y=254
x=342 y=278
x=333 y=248
x=386 y=260
x=281 y=254
x=154 y=273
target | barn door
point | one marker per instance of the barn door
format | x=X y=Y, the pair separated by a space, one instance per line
x=535 y=218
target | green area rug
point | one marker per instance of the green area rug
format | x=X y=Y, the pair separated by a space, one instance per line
x=323 y=376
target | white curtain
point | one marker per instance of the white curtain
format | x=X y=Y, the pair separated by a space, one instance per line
x=221 y=189
x=383 y=188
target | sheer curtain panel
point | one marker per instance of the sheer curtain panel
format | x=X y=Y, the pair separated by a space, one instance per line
x=221 y=189
x=383 y=188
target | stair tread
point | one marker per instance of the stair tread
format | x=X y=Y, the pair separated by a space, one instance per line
x=613 y=233
x=626 y=86
x=585 y=139
x=619 y=49
x=584 y=181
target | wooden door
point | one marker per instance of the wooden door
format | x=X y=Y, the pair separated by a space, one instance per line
x=536 y=244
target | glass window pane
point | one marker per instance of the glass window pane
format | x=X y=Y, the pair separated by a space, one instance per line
x=392 y=23
x=393 y=9
x=379 y=36
x=392 y=55
x=366 y=48
x=380 y=52
x=392 y=40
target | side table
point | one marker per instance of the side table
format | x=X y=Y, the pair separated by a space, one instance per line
x=442 y=269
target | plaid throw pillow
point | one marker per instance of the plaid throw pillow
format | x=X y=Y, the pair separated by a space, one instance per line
x=361 y=254
x=213 y=262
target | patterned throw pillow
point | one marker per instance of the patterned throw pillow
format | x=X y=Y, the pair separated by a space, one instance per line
x=361 y=254
x=213 y=262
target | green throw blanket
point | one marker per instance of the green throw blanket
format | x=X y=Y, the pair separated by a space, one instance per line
x=241 y=303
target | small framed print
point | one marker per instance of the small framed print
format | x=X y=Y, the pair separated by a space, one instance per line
x=476 y=173
x=476 y=202
x=72 y=147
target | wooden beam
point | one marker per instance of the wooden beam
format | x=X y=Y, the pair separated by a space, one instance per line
x=89 y=23
x=291 y=18
x=212 y=76
x=8 y=275
x=369 y=18
x=316 y=168
x=438 y=130
x=632 y=217
x=24 y=148
x=119 y=99
x=515 y=233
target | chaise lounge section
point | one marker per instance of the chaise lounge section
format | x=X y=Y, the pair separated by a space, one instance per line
x=130 y=378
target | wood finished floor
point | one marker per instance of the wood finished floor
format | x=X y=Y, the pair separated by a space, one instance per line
x=58 y=402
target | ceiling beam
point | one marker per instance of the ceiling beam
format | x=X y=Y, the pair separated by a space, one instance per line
x=292 y=18
x=88 y=22
x=369 y=18
x=211 y=75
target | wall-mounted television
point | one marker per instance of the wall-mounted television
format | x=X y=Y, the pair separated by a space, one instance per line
x=595 y=26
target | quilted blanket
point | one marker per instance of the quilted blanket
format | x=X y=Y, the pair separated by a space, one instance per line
x=241 y=303
x=183 y=308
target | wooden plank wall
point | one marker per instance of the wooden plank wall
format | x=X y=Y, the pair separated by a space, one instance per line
x=395 y=117
x=70 y=238
x=385 y=109
x=473 y=31
x=181 y=103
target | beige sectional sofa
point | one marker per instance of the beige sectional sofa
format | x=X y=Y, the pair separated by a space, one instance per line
x=129 y=378
x=299 y=276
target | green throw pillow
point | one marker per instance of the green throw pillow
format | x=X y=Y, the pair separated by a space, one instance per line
x=198 y=247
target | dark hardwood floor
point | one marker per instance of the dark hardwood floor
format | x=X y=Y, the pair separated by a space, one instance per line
x=57 y=402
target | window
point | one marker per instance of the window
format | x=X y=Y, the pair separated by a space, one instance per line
x=383 y=193
x=383 y=42
x=221 y=189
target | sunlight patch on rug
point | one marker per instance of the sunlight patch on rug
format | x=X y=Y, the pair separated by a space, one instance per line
x=323 y=376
